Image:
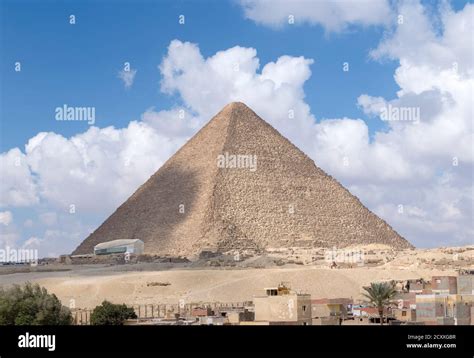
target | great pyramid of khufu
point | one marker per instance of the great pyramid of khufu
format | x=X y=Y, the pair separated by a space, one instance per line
x=238 y=183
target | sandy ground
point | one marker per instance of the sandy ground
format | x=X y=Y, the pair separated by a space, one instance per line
x=89 y=287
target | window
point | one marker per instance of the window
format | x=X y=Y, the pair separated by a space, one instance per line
x=404 y=313
x=304 y=308
x=272 y=292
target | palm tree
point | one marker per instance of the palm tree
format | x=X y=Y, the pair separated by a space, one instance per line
x=380 y=294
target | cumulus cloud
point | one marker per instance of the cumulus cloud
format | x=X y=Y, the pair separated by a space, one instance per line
x=95 y=170
x=428 y=165
x=6 y=217
x=333 y=16
x=18 y=187
x=9 y=235
x=207 y=84
x=127 y=76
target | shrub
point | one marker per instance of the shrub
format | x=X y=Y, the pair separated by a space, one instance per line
x=32 y=305
x=111 y=314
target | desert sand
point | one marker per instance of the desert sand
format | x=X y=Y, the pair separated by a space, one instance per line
x=89 y=285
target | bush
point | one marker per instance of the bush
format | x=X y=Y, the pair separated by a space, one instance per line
x=32 y=305
x=111 y=314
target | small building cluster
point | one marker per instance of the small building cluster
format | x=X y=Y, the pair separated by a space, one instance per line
x=445 y=300
x=449 y=301
x=279 y=306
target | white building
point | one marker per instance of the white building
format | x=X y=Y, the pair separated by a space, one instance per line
x=134 y=246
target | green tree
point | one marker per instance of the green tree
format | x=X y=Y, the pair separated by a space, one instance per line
x=111 y=314
x=380 y=295
x=31 y=305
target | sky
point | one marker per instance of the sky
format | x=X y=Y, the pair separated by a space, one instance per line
x=155 y=72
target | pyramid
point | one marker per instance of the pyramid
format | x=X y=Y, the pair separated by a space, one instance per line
x=239 y=184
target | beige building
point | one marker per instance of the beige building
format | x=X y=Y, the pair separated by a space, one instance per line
x=404 y=314
x=329 y=311
x=282 y=306
x=440 y=309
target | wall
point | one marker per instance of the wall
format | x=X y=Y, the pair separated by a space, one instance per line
x=444 y=284
x=466 y=284
x=284 y=308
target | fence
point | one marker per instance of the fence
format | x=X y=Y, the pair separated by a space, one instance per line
x=150 y=311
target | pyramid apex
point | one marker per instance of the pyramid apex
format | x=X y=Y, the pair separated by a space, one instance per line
x=234 y=105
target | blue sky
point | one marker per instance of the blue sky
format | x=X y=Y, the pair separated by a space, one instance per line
x=394 y=165
x=78 y=64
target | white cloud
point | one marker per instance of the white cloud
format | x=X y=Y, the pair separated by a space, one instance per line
x=175 y=123
x=127 y=77
x=9 y=239
x=331 y=15
x=18 y=188
x=206 y=85
x=9 y=235
x=6 y=217
x=419 y=45
x=433 y=160
x=371 y=106
x=97 y=169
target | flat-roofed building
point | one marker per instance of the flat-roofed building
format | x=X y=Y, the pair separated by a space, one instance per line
x=282 y=306
x=465 y=284
x=444 y=284
x=404 y=314
x=327 y=311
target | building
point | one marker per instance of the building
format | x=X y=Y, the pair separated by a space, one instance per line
x=405 y=300
x=282 y=306
x=134 y=246
x=329 y=311
x=404 y=314
x=417 y=286
x=212 y=320
x=443 y=309
x=465 y=284
x=65 y=259
x=237 y=317
x=444 y=284
x=369 y=315
x=201 y=312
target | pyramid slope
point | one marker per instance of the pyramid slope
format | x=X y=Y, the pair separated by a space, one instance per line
x=286 y=201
